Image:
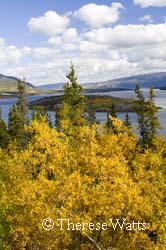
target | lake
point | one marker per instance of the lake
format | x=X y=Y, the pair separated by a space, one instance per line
x=160 y=100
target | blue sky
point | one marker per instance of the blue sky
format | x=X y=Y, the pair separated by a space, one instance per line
x=104 y=39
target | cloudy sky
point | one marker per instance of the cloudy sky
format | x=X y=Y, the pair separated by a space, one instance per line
x=104 y=39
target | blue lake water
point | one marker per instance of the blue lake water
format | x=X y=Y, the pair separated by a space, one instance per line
x=160 y=100
x=6 y=104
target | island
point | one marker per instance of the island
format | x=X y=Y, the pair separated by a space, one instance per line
x=96 y=102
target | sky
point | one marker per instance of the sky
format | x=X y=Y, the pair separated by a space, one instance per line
x=103 y=39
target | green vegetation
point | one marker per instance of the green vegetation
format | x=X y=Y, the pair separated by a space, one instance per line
x=73 y=103
x=18 y=116
x=127 y=121
x=4 y=136
x=111 y=114
x=147 y=117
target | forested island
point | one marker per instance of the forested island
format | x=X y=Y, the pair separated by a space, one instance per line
x=95 y=102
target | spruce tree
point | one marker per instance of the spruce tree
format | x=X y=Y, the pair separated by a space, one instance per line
x=153 y=124
x=108 y=122
x=22 y=102
x=148 y=122
x=39 y=113
x=127 y=121
x=140 y=108
x=58 y=116
x=4 y=137
x=18 y=115
x=73 y=103
x=111 y=113
x=91 y=115
x=15 y=122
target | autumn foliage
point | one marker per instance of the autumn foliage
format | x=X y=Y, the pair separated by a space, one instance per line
x=85 y=173
x=91 y=176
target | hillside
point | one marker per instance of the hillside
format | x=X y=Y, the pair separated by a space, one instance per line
x=9 y=84
x=157 y=80
x=53 y=86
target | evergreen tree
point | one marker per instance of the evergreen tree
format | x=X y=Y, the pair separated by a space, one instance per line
x=4 y=137
x=91 y=114
x=108 y=122
x=39 y=113
x=57 y=116
x=111 y=113
x=154 y=123
x=22 y=101
x=15 y=126
x=148 y=122
x=18 y=116
x=127 y=121
x=141 y=113
x=73 y=103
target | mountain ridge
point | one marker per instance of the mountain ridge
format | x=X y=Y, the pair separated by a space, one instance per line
x=156 y=79
x=9 y=84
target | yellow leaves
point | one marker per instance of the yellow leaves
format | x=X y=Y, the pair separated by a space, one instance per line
x=87 y=175
x=117 y=123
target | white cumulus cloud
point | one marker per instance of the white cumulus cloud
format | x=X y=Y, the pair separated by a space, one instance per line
x=128 y=36
x=148 y=3
x=99 y=15
x=70 y=35
x=9 y=54
x=50 y=24
x=55 y=40
x=102 y=53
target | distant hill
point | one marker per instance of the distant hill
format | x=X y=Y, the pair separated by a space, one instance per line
x=53 y=86
x=9 y=84
x=156 y=80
